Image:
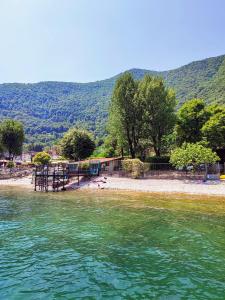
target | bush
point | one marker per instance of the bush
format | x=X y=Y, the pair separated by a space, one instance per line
x=192 y=155
x=10 y=165
x=133 y=166
x=42 y=158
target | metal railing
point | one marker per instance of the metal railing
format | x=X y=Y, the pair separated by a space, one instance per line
x=167 y=171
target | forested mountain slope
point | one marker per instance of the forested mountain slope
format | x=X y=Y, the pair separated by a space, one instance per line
x=47 y=109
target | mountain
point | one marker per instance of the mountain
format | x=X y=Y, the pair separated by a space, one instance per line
x=48 y=109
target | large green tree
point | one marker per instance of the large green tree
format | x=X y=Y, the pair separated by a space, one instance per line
x=12 y=137
x=214 y=131
x=191 y=117
x=125 y=114
x=192 y=154
x=158 y=107
x=77 y=144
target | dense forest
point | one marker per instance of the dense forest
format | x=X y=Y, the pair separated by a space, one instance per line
x=48 y=109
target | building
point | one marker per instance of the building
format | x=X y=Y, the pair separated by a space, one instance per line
x=104 y=164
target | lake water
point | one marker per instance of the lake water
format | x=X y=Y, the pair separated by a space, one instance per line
x=110 y=245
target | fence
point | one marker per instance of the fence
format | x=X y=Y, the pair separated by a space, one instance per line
x=167 y=171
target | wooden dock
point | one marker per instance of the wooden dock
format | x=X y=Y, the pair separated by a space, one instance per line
x=50 y=178
x=55 y=178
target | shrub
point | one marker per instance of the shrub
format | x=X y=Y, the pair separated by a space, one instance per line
x=10 y=165
x=192 y=155
x=42 y=158
x=147 y=167
x=133 y=166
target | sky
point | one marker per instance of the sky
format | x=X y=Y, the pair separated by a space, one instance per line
x=89 y=40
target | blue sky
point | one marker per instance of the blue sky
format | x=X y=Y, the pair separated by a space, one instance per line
x=88 y=40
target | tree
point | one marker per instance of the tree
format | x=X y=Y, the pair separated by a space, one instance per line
x=191 y=117
x=192 y=155
x=158 y=106
x=110 y=146
x=1 y=148
x=35 y=147
x=42 y=158
x=77 y=144
x=214 y=131
x=215 y=108
x=12 y=137
x=125 y=115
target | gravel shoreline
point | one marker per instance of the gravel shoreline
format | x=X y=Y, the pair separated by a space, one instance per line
x=157 y=185
x=140 y=185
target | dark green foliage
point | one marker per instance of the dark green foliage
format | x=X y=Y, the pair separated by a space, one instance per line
x=126 y=114
x=198 y=122
x=35 y=147
x=1 y=148
x=158 y=159
x=194 y=80
x=10 y=165
x=12 y=137
x=48 y=109
x=214 y=131
x=191 y=117
x=108 y=148
x=142 y=113
x=77 y=144
x=158 y=111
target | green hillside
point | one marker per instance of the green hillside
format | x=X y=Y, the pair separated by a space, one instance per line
x=47 y=109
x=199 y=79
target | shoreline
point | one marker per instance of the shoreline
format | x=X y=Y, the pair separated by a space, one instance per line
x=166 y=186
x=24 y=182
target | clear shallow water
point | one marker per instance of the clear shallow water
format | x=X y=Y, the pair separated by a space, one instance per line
x=104 y=245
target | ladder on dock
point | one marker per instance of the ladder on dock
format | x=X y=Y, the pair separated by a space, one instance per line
x=50 y=178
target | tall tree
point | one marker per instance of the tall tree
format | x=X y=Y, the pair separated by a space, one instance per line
x=158 y=106
x=12 y=137
x=77 y=144
x=191 y=117
x=125 y=114
x=214 y=131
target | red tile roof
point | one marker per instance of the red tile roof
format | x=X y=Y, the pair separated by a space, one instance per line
x=100 y=159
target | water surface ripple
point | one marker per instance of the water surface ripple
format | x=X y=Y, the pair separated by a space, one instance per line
x=110 y=246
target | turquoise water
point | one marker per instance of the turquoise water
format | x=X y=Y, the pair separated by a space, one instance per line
x=101 y=245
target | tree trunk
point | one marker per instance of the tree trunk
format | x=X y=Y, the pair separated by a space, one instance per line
x=157 y=151
x=11 y=156
x=130 y=144
x=122 y=154
x=132 y=151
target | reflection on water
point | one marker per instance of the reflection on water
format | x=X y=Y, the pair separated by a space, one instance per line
x=111 y=245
